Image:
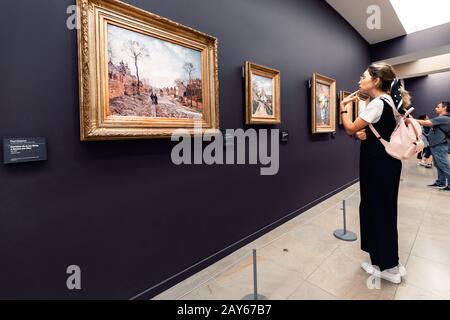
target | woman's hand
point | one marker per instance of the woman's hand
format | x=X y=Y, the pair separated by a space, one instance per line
x=361 y=135
x=351 y=98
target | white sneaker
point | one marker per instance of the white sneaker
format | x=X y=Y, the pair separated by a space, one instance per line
x=393 y=275
x=402 y=270
x=390 y=275
x=367 y=267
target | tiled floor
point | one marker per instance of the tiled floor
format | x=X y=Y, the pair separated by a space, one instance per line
x=303 y=260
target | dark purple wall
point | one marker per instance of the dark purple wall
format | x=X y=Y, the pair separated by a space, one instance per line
x=428 y=91
x=426 y=39
x=120 y=209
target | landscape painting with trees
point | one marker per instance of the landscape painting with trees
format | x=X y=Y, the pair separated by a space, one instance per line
x=262 y=94
x=150 y=77
x=143 y=76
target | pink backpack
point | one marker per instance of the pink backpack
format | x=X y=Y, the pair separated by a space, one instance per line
x=406 y=139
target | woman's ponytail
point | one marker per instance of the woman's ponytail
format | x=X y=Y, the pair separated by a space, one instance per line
x=401 y=97
x=406 y=97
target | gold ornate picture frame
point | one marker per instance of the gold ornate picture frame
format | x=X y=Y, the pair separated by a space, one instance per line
x=342 y=95
x=143 y=76
x=323 y=104
x=262 y=90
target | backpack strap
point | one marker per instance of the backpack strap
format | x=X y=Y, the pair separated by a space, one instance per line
x=396 y=112
x=379 y=137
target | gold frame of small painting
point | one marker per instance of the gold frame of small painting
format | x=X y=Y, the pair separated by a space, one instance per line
x=342 y=95
x=262 y=89
x=364 y=98
x=120 y=95
x=323 y=104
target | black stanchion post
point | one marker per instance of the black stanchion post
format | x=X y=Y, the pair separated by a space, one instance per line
x=255 y=276
x=344 y=216
x=255 y=296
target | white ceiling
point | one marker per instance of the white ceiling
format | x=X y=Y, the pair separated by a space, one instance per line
x=426 y=61
x=355 y=12
x=417 y=15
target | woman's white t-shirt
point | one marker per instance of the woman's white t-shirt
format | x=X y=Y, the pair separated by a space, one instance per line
x=372 y=113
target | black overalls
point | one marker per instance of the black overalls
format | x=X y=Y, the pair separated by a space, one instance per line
x=379 y=182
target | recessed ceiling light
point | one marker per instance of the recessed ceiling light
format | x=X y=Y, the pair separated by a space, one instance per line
x=416 y=15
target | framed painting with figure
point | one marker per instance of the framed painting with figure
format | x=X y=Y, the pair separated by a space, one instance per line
x=143 y=76
x=342 y=96
x=361 y=104
x=323 y=104
x=262 y=86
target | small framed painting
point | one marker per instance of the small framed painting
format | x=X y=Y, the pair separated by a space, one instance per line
x=262 y=87
x=342 y=96
x=323 y=104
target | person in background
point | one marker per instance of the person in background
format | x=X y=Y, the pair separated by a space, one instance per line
x=425 y=156
x=438 y=140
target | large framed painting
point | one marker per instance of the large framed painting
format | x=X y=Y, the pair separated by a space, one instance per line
x=361 y=104
x=342 y=95
x=323 y=104
x=143 y=76
x=262 y=86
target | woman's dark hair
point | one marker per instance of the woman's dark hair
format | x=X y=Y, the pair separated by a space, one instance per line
x=446 y=105
x=386 y=73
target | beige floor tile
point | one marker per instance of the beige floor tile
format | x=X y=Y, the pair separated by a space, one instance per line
x=439 y=204
x=301 y=251
x=228 y=261
x=333 y=219
x=417 y=187
x=411 y=216
x=209 y=291
x=354 y=186
x=437 y=218
x=203 y=276
x=312 y=234
x=408 y=192
x=432 y=249
x=263 y=240
x=343 y=277
x=352 y=250
x=406 y=237
x=274 y=281
x=411 y=202
x=409 y=292
x=307 y=291
x=440 y=232
x=354 y=200
x=169 y=294
x=439 y=196
x=267 y=238
x=429 y=275
x=185 y=286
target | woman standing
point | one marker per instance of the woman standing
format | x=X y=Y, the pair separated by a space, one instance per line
x=379 y=172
